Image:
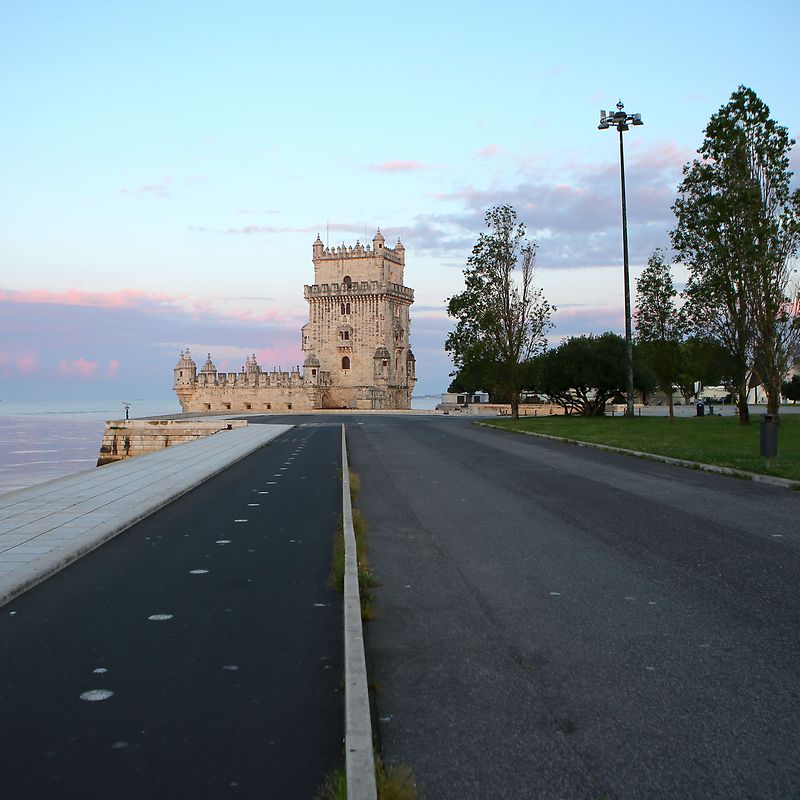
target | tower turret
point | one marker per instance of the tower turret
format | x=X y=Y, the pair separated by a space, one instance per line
x=185 y=379
x=185 y=370
x=311 y=370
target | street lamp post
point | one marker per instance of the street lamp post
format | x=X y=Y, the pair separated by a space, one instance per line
x=620 y=120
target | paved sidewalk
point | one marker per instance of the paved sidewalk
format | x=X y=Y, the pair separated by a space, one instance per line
x=46 y=527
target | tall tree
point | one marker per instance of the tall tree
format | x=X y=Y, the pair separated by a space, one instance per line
x=738 y=224
x=660 y=323
x=501 y=318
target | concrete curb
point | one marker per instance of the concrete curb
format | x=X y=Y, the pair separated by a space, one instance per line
x=756 y=477
x=12 y=585
x=359 y=756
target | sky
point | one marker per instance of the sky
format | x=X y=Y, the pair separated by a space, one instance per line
x=166 y=166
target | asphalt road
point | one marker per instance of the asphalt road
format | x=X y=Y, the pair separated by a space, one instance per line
x=211 y=625
x=559 y=622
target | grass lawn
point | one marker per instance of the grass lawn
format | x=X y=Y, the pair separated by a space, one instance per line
x=709 y=440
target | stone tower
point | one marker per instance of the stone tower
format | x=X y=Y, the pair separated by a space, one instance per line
x=358 y=328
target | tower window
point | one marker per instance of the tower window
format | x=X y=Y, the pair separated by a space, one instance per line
x=347 y=282
x=347 y=308
x=345 y=362
x=343 y=311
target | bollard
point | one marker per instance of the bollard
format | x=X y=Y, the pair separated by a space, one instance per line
x=769 y=436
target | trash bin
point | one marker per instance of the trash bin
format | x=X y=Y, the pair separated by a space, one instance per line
x=769 y=435
x=701 y=409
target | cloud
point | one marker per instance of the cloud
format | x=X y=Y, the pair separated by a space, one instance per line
x=312 y=229
x=152 y=189
x=571 y=207
x=247 y=229
x=123 y=298
x=490 y=151
x=216 y=307
x=78 y=368
x=147 y=337
x=399 y=166
x=27 y=363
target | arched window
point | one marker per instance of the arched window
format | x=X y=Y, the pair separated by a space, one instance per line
x=345 y=362
x=343 y=312
x=347 y=308
x=347 y=281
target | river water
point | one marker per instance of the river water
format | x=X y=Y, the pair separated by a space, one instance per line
x=40 y=441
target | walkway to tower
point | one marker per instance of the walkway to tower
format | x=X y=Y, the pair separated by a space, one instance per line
x=197 y=654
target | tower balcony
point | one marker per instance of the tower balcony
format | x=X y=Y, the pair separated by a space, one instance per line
x=359 y=288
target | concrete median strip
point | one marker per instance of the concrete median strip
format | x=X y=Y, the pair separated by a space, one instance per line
x=359 y=756
x=45 y=528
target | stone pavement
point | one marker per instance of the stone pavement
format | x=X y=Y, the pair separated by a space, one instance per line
x=46 y=527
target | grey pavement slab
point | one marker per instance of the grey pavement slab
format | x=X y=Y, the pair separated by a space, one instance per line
x=44 y=528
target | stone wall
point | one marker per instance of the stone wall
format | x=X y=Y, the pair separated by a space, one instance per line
x=135 y=437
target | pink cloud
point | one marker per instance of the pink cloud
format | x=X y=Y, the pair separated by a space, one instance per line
x=27 y=363
x=211 y=307
x=123 y=298
x=79 y=368
x=312 y=229
x=398 y=166
x=151 y=189
x=112 y=369
x=490 y=151
x=251 y=229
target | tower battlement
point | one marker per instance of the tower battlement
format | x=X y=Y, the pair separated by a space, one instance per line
x=359 y=250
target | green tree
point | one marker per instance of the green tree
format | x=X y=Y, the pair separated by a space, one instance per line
x=501 y=318
x=791 y=389
x=738 y=224
x=644 y=380
x=660 y=325
x=705 y=361
x=583 y=373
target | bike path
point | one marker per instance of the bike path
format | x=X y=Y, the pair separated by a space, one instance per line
x=198 y=654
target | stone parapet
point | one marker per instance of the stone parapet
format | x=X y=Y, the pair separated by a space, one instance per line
x=135 y=437
x=358 y=289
